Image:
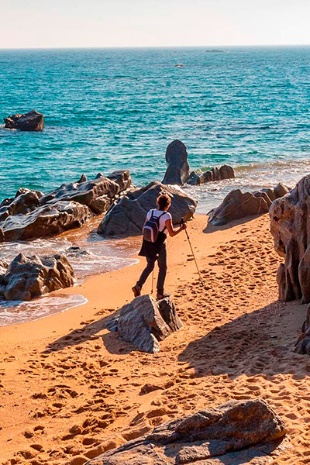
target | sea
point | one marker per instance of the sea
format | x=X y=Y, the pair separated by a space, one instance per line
x=111 y=109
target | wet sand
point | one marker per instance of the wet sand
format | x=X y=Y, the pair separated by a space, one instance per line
x=70 y=389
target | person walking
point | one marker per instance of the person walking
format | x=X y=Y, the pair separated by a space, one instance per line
x=156 y=251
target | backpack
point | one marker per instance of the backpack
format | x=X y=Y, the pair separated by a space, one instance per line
x=151 y=228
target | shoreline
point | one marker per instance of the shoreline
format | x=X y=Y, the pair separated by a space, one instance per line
x=70 y=389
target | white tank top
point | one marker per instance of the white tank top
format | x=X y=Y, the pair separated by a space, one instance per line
x=163 y=218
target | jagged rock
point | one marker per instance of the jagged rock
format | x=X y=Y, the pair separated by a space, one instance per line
x=178 y=168
x=30 y=277
x=44 y=221
x=127 y=217
x=24 y=202
x=215 y=174
x=144 y=322
x=31 y=121
x=122 y=178
x=302 y=345
x=97 y=194
x=290 y=227
x=239 y=205
x=195 y=439
x=31 y=214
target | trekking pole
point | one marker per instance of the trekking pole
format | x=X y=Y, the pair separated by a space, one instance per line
x=200 y=278
x=152 y=290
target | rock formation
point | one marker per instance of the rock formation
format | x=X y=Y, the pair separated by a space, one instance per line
x=96 y=194
x=31 y=214
x=31 y=121
x=144 y=322
x=178 y=168
x=197 y=438
x=290 y=227
x=127 y=217
x=239 y=205
x=24 y=202
x=44 y=221
x=28 y=277
x=215 y=174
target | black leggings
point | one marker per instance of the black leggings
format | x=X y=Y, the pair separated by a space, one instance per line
x=162 y=265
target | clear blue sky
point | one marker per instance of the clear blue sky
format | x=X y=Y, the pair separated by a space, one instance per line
x=144 y=23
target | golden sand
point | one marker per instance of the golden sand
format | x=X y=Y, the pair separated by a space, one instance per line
x=70 y=389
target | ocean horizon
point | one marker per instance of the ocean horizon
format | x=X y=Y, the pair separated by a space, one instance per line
x=119 y=108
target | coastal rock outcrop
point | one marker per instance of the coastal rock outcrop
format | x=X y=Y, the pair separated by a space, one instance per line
x=127 y=217
x=290 y=227
x=234 y=426
x=31 y=214
x=31 y=121
x=144 y=322
x=178 y=168
x=239 y=205
x=24 y=202
x=97 y=194
x=28 y=277
x=214 y=174
x=44 y=221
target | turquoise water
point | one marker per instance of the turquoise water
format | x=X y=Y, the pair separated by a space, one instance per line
x=116 y=109
x=119 y=109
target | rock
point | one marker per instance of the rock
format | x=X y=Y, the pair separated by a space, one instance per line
x=30 y=277
x=196 y=438
x=240 y=205
x=290 y=227
x=31 y=214
x=32 y=121
x=302 y=345
x=97 y=194
x=122 y=178
x=45 y=221
x=127 y=217
x=178 y=168
x=144 y=322
x=24 y=202
x=215 y=174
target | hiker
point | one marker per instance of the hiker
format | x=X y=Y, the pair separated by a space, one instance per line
x=157 y=250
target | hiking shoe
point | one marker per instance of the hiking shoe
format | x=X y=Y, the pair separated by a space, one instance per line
x=136 y=290
x=161 y=296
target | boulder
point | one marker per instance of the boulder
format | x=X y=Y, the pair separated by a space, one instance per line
x=178 y=168
x=31 y=121
x=144 y=322
x=45 y=221
x=290 y=227
x=122 y=178
x=196 y=438
x=215 y=174
x=30 y=277
x=127 y=217
x=239 y=205
x=302 y=345
x=97 y=194
x=24 y=202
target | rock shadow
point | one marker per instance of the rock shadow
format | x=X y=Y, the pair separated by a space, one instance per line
x=261 y=342
x=91 y=331
x=231 y=224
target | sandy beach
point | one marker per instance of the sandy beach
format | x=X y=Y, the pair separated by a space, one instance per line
x=70 y=389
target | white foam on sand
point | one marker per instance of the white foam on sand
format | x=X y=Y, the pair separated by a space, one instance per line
x=16 y=312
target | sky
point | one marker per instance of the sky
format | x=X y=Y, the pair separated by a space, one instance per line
x=152 y=23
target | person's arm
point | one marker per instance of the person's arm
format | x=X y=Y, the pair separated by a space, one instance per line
x=173 y=232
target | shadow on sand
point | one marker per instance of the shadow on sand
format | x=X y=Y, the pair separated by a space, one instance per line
x=93 y=331
x=261 y=342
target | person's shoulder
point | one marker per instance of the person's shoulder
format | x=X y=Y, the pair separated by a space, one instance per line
x=168 y=216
